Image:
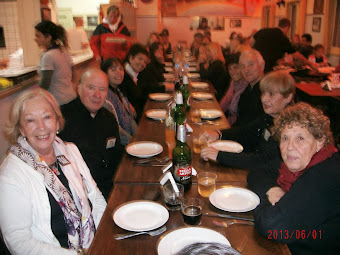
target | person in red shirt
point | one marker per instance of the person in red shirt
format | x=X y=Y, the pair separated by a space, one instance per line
x=111 y=38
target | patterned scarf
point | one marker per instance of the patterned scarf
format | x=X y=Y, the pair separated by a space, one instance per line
x=287 y=178
x=75 y=206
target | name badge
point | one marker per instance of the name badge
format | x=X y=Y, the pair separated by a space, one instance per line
x=266 y=134
x=62 y=160
x=110 y=142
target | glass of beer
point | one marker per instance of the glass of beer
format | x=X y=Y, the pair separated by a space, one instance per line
x=192 y=211
x=199 y=142
x=195 y=115
x=172 y=198
x=206 y=183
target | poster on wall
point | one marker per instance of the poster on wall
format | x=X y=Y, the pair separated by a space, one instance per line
x=207 y=23
x=316 y=26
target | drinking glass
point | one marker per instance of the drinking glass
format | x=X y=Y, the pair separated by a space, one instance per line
x=196 y=116
x=199 y=142
x=192 y=211
x=173 y=199
x=206 y=183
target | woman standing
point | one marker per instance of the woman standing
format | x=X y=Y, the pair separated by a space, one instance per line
x=49 y=202
x=300 y=193
x=117 y=102
x=55 y=68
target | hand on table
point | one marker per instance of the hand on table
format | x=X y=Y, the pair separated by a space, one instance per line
x=210 y=135
x=209 y=153
x=275 y=194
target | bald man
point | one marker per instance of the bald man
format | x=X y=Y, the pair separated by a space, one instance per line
x=94 y=129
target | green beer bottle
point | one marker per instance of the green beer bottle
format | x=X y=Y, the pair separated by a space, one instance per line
x=186 y=93
x=179 y=110
x=181 y=156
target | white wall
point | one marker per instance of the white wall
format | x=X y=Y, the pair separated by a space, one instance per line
x=82 y=6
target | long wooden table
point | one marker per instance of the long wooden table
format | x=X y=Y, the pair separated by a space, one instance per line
x=133 y=182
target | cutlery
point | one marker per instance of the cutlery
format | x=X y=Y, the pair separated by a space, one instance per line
x=213 y=214
x=151 y=233
x=148 y=164
x=208 y=122
x=147 y=160
x=226 y=224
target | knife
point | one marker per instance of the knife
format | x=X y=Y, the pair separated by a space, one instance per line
x=213 y=214
x=148 y=164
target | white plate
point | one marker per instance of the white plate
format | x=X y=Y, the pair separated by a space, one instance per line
x=168 y=64
x=210 y=114
x=192 y=69
x=156 y=114
x=140 y=215
x=174 y=241
x=193 y=75
x=144 y=149
x=234 y=199
x=160 y=96
x=169 y=76
x=199 y=85
x=168 y=69
x=226 y=145
x=202 y=96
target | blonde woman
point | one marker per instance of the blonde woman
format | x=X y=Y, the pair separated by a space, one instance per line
x=215 y=72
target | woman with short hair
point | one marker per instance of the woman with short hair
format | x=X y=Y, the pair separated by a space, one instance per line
x=300 y=192
x=116 y=102
x=49 y=202
x=135 y=62
x=277 y=91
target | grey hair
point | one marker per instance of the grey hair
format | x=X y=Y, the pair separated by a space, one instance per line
x=208 y=249
x=258 y=56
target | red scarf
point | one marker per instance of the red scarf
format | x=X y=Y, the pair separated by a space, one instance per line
x=287 y=178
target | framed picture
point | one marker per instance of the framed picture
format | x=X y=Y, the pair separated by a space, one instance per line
x=316 y=26
x=207 y=23
x=318 y=7
x=235 y=23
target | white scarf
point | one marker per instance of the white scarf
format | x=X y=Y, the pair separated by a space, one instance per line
x=75 y=206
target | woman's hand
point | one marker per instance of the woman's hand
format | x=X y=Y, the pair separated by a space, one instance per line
x=275 y=194
x=210 y=135
x=209 y=153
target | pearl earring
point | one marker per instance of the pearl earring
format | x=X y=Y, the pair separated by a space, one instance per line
x=57 y=132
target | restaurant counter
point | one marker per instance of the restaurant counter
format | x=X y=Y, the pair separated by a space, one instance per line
x=27 y=78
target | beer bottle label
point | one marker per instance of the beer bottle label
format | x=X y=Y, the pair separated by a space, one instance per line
x=183 y=172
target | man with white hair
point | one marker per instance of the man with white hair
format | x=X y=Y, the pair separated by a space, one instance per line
x=250 y=106
x=94 y=129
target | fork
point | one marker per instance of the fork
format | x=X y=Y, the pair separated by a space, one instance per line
x=147 y=160
x=226 y=224
x=151 y=233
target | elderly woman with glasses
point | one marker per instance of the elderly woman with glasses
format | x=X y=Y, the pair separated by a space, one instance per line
x=49 y=202
x=300 y=192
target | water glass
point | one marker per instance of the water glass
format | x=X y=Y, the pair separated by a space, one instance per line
x=172 y=198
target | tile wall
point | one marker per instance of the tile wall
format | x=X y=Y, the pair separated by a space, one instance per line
x=9 y=22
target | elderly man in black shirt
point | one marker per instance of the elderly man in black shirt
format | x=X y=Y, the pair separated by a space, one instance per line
x=94 y=129
x=249 y=105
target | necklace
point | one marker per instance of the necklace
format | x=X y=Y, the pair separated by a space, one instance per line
x=55 y=168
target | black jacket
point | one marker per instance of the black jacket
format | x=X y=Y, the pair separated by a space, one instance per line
x=217 y=75
x=258 y=144
x=308 y=215
x=91 y=135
